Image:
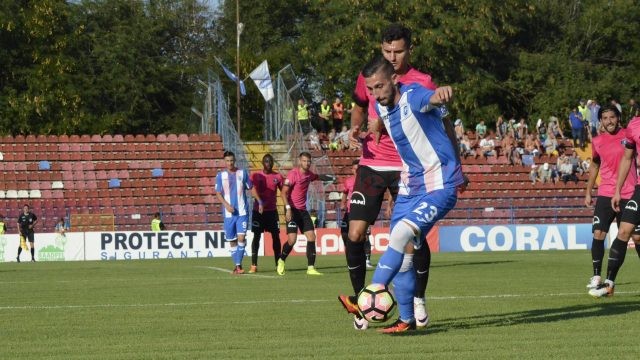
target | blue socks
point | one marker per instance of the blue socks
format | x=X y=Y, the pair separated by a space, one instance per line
x=404 y=285
x=388 y=266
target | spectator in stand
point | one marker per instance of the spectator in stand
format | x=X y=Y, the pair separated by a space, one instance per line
x=584 y=111
x=467 y=146
x=575 y=162
x=554 y=128
x=303 y=117
x=522 y=129
x=511 y=128
x=615 y=103
x=458 y=129
x=555 y=175
x=544 y=173
x=338 y=114
x=324 y=116
x=332 y=137
x=541 y=130
x=487 y=146
x=533 y=174
x=481 y=129
x=586 y=164
x=550 y=146
x=501 y=128
x=566 y=170
x=314 y=140
x=594 y=108
x=575 y=118
x=509 y=149
x=532 y=145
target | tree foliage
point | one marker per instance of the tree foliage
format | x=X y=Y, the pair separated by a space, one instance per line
x=107 y=66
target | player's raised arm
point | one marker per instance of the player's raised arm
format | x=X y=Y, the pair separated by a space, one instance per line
x=442 y=95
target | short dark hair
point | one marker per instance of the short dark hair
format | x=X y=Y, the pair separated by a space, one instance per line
x=229 y=153
x=156 y=214
x=376 y=64
x=396 y=32
x=305 y=154
x=267 y=156
x=609 y=108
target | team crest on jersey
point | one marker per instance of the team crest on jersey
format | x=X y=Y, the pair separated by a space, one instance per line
x=276 y=180
x=405 y=111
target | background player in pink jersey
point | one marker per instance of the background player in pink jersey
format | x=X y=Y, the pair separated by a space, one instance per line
x=345 y=206
x=265 y=212
x=379 y=171
x=607 y=150
x=630 y=217
x=294 y=196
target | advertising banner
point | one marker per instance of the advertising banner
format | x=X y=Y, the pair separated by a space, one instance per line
x=329 y=241
x=49 y=247
x=133 y=245
x=515 y=237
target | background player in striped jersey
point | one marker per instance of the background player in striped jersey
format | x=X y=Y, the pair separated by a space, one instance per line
x=379 y=171
x=265 y=213
x=231 y=186
x=630 y=215
x=294 y=196
x=607 y=150
x=429 y=181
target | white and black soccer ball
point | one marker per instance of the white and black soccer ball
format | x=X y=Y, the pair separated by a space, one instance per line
x=376 y=303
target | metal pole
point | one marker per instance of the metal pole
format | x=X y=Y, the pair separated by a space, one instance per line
x=239 y=30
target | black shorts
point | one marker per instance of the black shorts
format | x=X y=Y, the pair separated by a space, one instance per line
x=344 y=224
x=267 y=221
x=630 y=212
x=369 y=190
x=300 y=219
x=603 y=214
x=29 y=236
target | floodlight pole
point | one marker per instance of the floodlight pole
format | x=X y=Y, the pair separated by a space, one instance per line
x=239 y=27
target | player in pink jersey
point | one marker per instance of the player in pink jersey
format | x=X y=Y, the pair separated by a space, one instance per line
x=345 y=206
x=607 y=150
x=379 y=172
x=630 y=218
x=265 y=213
x=294 y=196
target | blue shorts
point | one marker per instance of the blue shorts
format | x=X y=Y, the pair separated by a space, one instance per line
x=423 y=211
x=234 y=226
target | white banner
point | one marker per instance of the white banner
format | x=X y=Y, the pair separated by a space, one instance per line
x=261 y=77
x=49 y=247
x=134 y=245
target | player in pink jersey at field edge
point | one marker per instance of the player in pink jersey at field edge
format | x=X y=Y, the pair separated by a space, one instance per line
x=630 y=217
x=294 y=196
x=266 y=183
x=607 y=150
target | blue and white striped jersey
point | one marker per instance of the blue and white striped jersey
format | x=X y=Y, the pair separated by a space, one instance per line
x=428 y=157
x=233 y=186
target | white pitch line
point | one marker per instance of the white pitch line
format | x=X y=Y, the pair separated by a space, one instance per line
x=229 y=271
x=285 y=301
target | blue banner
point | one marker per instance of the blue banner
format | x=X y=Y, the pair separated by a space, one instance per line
x=515 y=237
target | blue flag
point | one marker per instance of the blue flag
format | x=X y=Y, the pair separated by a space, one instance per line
x=234 y=78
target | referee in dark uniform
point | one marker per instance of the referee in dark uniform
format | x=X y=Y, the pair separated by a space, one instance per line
x=26 y=222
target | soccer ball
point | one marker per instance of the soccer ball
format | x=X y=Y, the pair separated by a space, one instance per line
x=376 y=303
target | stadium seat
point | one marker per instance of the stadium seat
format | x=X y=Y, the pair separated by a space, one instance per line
x=114 y=183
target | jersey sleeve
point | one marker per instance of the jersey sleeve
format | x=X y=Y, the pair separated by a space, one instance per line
x=360 y=92
x=629 y=143
x=218 y=186
x=34 y=216
x=595 y=156
x=420 y=99
x=291 y=179
x=247 y=183
x=314 y=176
x=280 y=181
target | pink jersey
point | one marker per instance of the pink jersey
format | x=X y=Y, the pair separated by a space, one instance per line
x=383 y=156
x=267 y=186
x=298 y=186
x=609 y=149
x=633 y=139
x=349 y=183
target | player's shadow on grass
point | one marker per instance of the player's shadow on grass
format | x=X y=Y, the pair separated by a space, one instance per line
x=602 y=308
x=471 y=263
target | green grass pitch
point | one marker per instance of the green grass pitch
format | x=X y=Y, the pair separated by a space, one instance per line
x=511 y=305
